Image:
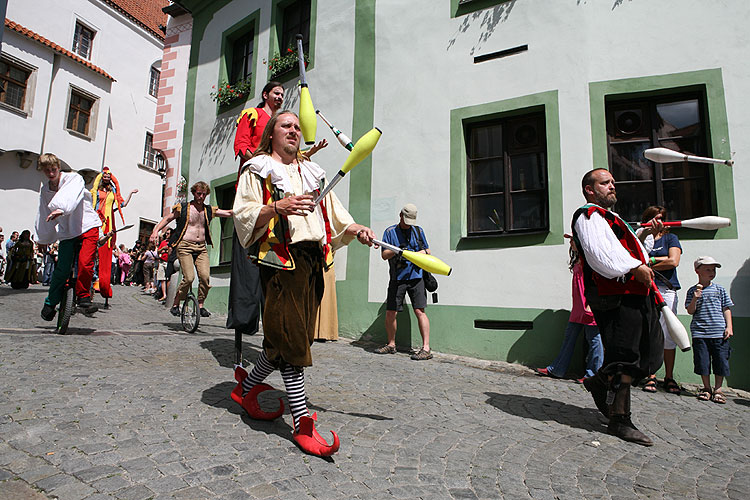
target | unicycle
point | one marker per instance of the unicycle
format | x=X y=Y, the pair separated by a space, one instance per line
x=67 y=304
x=67 y=307
x=190 y=314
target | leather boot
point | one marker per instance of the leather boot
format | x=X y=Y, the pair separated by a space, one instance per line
x=620 y=424
x=310 y=441
x=597 y=386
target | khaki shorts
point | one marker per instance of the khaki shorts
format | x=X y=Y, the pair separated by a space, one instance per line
x=161 y=271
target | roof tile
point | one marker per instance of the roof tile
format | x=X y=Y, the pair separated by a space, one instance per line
x=147 y=14
x=39 y=38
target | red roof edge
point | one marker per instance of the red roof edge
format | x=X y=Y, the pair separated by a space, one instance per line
x=39 y=38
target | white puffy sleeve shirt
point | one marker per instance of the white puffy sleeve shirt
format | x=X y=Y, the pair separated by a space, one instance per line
x=76 y=203
x=604 y=252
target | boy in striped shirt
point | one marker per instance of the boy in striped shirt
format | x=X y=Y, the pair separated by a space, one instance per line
x=711 y=328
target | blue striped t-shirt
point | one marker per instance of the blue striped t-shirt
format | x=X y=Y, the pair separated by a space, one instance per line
x=708 y=320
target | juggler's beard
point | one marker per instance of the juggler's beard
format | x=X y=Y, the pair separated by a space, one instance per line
x=607 y=201
x=289 y=149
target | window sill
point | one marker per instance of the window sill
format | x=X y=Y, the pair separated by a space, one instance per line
x=14 y=109
x=149 y=169
x=507 y=240
x=79 y=135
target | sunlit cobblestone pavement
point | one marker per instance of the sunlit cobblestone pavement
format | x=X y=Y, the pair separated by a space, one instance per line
x=129 y=407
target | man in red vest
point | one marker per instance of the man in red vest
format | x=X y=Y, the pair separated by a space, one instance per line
x=618 y=288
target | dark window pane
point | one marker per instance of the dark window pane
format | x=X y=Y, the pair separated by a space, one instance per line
x=14 y=95
x=487 y=213
x=296 y=20
x=487 y=176
x=681 y=118
x=486 y=141
x=83 y=123
x=529 y=210
x=72 y=119
x=686 y=199
x=689 y=146
x=13 y=83
x=85 y=104
x=633 y=198
x=628 y=162
x=242 y=58
x=527 y=171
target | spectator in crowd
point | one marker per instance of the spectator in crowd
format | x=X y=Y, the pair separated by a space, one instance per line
x=711 y=328
x=8 y=245
x=581 y=319
x=664 y=259
x=50 y=260
x=21 y=270
x=125 y=261
x=149 y=262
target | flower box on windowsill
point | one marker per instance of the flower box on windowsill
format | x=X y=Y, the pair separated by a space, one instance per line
x=228 y=94
x=286 y=67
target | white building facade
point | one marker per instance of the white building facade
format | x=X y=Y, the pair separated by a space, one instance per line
x=491 y=112
x=83 y=79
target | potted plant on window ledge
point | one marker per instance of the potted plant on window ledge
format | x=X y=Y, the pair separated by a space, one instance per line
x=227 y=93
x=281 y=64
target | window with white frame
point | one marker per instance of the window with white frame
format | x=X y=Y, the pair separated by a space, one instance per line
x=149 y=154
x=153 y=83
x=83 y=40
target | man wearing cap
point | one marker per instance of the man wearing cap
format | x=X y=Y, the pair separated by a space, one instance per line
x=619 y=291
x=405 y=278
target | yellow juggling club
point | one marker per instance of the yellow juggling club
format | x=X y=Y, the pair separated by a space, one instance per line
x=427 y=262
x=308 y=121
x=361 y=149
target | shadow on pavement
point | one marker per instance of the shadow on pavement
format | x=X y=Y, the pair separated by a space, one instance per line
x=545 y=409
x=223 y=351
x=218 y=397
x=742 y=402
x=371 y=416
x=34 y=290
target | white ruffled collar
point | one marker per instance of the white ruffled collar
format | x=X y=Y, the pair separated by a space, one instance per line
x=263 y=165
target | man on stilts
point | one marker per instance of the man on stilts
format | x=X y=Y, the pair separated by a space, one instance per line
x=291 y=239
x=619 y=290
x=107 y=198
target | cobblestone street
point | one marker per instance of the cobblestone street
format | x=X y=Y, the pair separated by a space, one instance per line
x=130 y=407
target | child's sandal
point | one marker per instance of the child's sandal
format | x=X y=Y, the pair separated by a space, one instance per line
x=704 y=394
x=718 y=397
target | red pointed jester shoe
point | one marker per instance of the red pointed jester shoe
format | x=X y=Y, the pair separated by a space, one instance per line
x=310 y=441
x=250 y=401
x=239 y=375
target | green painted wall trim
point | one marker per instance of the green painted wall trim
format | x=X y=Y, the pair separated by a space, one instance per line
x=203 y=13
x=355 y=312
x=240 y=28
x=708 y=80
x=473 y=6
x=459 y=118
x=277 y=6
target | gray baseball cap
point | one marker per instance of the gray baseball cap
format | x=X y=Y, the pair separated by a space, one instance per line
x=705 y=260
x=410 y=214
